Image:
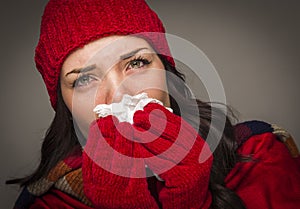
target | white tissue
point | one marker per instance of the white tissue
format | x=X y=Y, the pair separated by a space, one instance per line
x=125 y=109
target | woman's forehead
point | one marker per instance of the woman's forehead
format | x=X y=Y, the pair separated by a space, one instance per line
x=110 y=48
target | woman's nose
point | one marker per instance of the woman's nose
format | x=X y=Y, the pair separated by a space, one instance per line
x=112 y=88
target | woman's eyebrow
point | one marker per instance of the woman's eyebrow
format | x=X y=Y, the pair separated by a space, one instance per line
x=132 y=53
x=82 y=70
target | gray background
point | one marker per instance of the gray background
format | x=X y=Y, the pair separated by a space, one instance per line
x=254 y=46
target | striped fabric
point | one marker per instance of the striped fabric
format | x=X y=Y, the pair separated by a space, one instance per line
x=66 y=177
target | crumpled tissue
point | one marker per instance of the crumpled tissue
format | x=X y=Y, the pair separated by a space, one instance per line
x=125 y=109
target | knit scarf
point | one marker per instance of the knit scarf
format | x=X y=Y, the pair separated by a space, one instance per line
x=66 y=176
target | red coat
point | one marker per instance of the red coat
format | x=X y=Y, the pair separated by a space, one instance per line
x=270 y=180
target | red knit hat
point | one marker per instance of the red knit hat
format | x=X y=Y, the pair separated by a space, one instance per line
x=70 y=24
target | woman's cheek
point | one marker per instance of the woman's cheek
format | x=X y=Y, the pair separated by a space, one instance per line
x=151 y=81
x=83 y=104
x=160 y=95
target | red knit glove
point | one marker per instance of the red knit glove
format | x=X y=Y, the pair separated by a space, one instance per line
x=107 y=190
x=179 y=145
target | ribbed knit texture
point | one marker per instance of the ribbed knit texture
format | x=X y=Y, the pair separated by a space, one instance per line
x=65 y=176
x=70 y=24
x=186 y=182
x=105 y=188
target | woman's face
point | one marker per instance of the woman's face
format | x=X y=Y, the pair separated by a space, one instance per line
x=104 y=70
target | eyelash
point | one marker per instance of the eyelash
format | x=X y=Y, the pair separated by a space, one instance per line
x=81 y=77
x=141 y=59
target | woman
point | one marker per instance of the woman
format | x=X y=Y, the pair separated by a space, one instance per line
x=86 y=58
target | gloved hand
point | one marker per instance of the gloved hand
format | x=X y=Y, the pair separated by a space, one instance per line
x=177 y=146
x=107 y=190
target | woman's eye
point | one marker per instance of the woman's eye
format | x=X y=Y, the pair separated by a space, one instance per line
x=138 y=63
x=83 y=80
